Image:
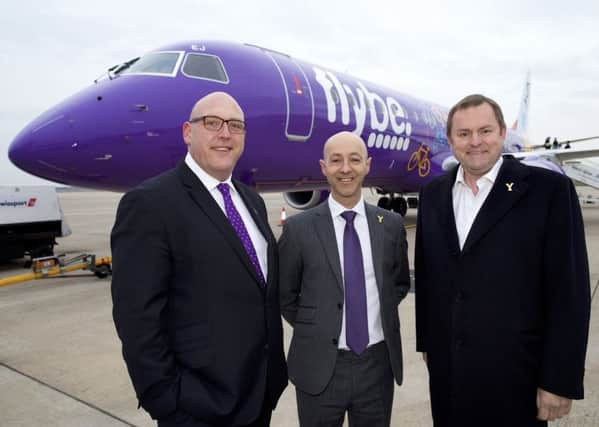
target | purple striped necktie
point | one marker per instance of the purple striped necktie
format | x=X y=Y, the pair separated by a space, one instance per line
x=356 y=314
x=239 y=227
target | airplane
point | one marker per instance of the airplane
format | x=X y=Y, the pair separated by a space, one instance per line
x=126 y=126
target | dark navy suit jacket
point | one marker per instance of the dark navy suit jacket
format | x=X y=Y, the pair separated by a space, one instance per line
x=199 y=333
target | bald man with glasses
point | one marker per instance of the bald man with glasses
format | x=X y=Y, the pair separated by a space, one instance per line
x=195 y=284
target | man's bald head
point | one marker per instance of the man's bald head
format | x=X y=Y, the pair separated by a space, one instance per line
x=345 y=165
x=215 y=150
x=344 y=139
x=221 y=100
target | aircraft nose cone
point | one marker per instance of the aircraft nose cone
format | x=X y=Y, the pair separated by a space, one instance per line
x=34 y=149
x=18 y=151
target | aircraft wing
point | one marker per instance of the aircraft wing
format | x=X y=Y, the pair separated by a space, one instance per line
x=559 y=144
x=583 y=171
x=571 y=161
x=560 y=155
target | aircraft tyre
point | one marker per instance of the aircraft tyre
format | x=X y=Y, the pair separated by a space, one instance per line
x=385 y=203
x=400 y=205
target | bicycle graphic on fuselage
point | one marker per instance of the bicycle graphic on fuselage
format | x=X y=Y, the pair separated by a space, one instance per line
x=419 y=159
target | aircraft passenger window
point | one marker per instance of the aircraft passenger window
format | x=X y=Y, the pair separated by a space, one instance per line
x=208 y=67
x=155 y=63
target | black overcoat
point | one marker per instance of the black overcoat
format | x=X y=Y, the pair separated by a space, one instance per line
x=510 y=311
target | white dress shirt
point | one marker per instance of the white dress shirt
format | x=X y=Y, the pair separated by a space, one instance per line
x=466 y=204
x=375 y=329
x=256 y=236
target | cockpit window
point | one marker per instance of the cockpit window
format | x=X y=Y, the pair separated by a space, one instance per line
x=207 y=67
x=157 y=63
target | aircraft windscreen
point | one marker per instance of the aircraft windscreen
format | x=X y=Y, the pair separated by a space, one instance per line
x=163 y=63
x=207 y=67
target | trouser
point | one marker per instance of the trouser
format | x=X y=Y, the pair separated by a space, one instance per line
x=361 y=385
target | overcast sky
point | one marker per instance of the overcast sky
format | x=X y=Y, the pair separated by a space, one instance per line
x=435 y=50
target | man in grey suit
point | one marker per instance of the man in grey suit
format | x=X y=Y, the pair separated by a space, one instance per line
x=344 y=270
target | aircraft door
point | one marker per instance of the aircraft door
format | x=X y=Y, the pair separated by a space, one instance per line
x=300 y=103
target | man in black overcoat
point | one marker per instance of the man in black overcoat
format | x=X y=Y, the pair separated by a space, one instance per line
x=502 y=282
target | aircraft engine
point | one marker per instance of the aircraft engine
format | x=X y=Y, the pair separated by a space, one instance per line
x=449 y=163
x=303 y=200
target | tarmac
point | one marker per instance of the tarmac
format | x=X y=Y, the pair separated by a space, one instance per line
x=60 y=357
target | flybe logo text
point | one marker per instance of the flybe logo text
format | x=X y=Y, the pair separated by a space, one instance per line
x=384 y=113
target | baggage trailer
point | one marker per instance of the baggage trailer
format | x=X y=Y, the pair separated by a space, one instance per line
x=30 y=221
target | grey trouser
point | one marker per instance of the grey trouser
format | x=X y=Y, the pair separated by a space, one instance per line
x=361 y=385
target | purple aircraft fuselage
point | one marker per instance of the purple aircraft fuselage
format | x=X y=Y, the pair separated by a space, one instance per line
x=126 y=127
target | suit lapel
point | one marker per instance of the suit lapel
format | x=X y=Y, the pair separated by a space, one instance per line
x=377 y=235
x=204 y=200
x=326 y=233
x=508 y=188
x=444 y=202
x=264 y=230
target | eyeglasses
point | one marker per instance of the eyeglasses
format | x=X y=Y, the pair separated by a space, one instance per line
x=215 y=123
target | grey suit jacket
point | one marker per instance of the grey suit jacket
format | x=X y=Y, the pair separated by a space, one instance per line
x=311 y=290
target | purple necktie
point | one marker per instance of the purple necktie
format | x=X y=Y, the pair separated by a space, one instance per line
x=240 y=229
x=356 y=315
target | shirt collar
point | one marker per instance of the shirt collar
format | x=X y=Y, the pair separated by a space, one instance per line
x=490 y=176
x=337 y=209
x=209 y=181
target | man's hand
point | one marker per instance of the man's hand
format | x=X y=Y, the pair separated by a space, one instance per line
x=551 y=406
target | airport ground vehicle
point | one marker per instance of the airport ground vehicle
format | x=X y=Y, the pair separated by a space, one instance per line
x=30 y=221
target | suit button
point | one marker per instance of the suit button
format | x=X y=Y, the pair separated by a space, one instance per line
x=459 y=342
x=339 y=305
x=335 y=341
x=265 y=347
x=459 y=298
